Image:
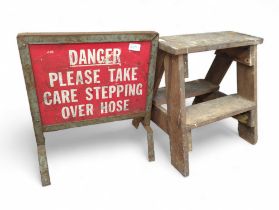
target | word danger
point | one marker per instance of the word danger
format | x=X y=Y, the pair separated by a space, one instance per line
x=94 y=56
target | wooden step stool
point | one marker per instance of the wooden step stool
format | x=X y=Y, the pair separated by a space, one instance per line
x=210 y=104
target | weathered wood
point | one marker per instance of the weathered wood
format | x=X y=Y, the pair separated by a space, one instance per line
x=189 y=138
x=218 y=69
x=48 y=128
x=192 y=88
x=246 y=81
x=159 y=71
x=184 y=44
x=150 y=142
x=78 y=37
x=211 y=111
x=240 y=54
x=222 y=63
x=211 y=96
x=159 y=117
x=214 y=110
x=43 y=165
x=247 y=88
x=136 y=122
x=246 y=118
x=149 y=132
x=216 y=72
x=35 y=113
x=186 y=72
x=176 y=114
x=217 y=109
x=249 y=134
x=229 y=46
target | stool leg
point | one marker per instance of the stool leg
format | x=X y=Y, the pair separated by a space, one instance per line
x=176 y=113
x=247 y=88
x=250 y=134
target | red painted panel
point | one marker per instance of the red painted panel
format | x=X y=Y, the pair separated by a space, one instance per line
x=76 y=82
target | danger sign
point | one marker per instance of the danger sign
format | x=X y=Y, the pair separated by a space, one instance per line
x=78 y=79
x=90 y=80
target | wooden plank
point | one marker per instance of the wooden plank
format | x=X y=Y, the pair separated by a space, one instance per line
x=214 y=95
x=150 y=142
x=176 y=114
x=137 y=121
x=149 y=132
x=159 y=71
x=249 y=134
x=192 y=88
x=247 y=126
x=189 y=138
x=218 y=69
x=190 y=43
x=216 y=72
x=159 y=113
x=246 y=81
x=186 y=72
x=159 y=117
x=43 y=164
x=246 y=118
x=49 y=128
x=242 y=55
x=77 y=37
x=247 y=88
x=217 y=109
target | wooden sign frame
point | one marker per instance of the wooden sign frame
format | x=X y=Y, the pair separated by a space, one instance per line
x=25 y=39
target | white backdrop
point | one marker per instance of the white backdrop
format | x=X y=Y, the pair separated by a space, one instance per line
x=105 y=166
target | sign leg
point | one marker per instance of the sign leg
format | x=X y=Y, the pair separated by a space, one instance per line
x=136 y=122
x=150 y=142
x=43 y=165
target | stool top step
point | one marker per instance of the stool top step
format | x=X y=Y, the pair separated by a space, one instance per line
x=190 y=43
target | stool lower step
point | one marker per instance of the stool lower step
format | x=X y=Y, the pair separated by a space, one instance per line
x=206 y=112
x=217 y=109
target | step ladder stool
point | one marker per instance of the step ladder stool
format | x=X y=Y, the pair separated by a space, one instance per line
x=209 y=105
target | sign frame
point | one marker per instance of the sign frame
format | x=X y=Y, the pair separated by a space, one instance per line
x=25 y=39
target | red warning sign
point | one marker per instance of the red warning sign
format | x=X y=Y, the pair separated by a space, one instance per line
x=76 y=82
